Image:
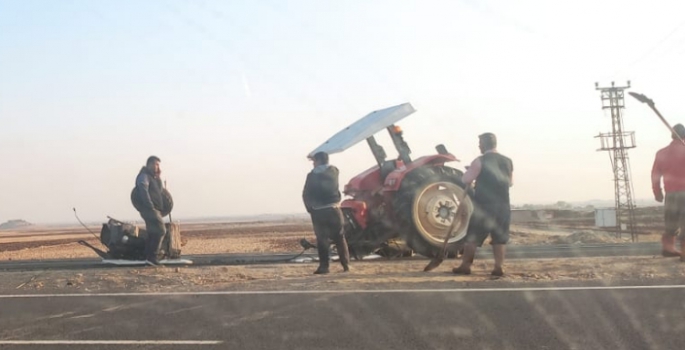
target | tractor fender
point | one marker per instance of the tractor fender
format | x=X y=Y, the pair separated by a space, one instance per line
x=358 y=210
x=394 y=179
x=368 y=181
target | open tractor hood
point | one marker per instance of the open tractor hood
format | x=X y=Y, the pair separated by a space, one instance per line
x=364 y=128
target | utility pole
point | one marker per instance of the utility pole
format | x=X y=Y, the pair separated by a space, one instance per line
x=617 y=143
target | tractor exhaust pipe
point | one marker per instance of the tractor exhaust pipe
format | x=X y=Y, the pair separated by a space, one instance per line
x=403 y=149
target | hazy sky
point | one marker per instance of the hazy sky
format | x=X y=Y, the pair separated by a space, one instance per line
x=232 y=95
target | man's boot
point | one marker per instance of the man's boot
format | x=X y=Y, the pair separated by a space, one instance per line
x=498 y=252
x=343 y=253
x=668 y=246
x=321 y=270
x=466 y=260
x=322 y=245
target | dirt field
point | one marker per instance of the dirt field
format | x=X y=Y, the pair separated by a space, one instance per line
x=284 y=236
x=255 y=237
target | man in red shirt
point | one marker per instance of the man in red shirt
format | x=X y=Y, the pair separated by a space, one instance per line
x=669 y=164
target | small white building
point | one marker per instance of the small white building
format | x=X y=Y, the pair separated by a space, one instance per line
x=605 y=217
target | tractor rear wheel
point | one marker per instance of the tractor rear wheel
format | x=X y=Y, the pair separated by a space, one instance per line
x=425 y=207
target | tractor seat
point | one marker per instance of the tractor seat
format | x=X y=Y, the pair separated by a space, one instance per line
x=387 y=167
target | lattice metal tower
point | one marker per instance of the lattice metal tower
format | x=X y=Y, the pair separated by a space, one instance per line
x=617 y=143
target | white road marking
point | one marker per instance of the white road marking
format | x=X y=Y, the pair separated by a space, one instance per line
x=60 y=315
x=184 y=310
x=123 y=262
x=82 y=316
x=110 y=342
x=351 y=291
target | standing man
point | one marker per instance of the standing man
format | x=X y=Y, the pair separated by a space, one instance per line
x=493 y=174
x=147 y=199
x=321 y=196
x=670 y=164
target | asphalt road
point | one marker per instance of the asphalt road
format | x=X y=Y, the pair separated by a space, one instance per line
x=513 y=252
x=430 y=319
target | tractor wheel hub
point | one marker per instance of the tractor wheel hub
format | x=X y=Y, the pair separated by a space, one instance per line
x=434 y=208
x=442 y=209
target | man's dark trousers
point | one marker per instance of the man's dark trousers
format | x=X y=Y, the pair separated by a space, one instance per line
x=328 y=224
x=154 y=225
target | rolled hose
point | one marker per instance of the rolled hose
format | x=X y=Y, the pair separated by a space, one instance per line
x=167 y=202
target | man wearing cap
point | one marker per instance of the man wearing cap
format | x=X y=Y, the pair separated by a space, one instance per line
x=321 y=196
x=669 y=164
x=493 y=174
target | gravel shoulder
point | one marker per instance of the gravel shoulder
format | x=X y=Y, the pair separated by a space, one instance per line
x=364 y=275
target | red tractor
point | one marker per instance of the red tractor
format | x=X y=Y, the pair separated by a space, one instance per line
x=402 y=201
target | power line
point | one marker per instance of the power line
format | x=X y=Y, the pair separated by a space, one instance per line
x=653 y=48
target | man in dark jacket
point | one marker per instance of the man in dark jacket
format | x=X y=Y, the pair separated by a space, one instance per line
x=321 y=196
x=149 y=202
x=493 y=174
